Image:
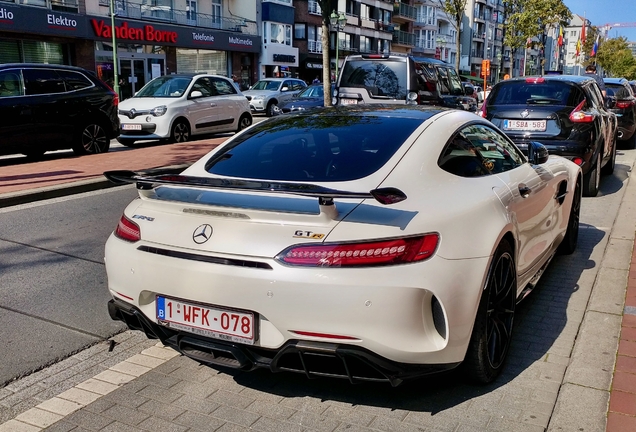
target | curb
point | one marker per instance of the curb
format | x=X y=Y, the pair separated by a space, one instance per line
x=65 y=189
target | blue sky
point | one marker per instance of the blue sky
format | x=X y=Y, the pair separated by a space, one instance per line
x=601 y=12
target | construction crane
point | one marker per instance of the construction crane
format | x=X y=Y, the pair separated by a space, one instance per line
x=605 y=28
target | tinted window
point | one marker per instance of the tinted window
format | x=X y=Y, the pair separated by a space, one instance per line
x=74 y=80
x=10 y=84
x=478 y=150
x=204 y=85
x=619 y=91
x=379 y=77
x=222 y=86
x=316 y=148
x=42 y=81
x=546 y=93
x=165 y=86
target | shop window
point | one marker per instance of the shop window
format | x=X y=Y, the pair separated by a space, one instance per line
x=10 y=51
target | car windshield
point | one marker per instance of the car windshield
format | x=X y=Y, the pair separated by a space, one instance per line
x=312 y=92
x=266 y=85
x=381 y=78
x=165 y=86
x=619 y=91
x=540 y=93
x=315 y=148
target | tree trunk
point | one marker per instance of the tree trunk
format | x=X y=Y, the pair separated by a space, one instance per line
x=459 y=48
x=326 y=63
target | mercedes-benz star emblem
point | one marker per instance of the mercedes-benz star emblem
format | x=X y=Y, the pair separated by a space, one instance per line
x=525 y=113
x=202 y=234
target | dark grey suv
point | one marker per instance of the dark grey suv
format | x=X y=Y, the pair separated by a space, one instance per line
x=400 y=79
x=54 y=107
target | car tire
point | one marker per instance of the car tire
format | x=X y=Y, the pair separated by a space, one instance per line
x=271 y=109
x=592 y=178
x=92 y=139
x=128 y=142
x=611 y=164
x=571 y=238
x=492 y=331
x=180 y=132
x=244 y=122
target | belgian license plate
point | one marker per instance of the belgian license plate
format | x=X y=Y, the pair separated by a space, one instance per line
x=206 y=320
x=524 y=125
x=131 y=127
x=348 y=101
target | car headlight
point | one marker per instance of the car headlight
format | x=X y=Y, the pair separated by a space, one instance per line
x=159 y=111
x=257 y=98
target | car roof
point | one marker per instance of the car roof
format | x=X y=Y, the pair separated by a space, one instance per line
x=41 y=66
x=615 y=80
x=397 y=56
x=379 y=110
x=279 y=79
x=579 y=79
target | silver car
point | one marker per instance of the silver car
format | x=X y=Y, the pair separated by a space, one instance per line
x=268 y=93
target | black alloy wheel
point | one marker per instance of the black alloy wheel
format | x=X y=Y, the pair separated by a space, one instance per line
x=570 y=240
x=271 y=109
x=492 y=332
x=180 y=132
x=592 y=179
x=92 y=140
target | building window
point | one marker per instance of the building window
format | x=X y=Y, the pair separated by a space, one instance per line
x=277 y=33
x=314 y=39
x=365 y=44
x=299 y=30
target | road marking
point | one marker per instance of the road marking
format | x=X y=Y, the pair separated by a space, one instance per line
x=55 y=409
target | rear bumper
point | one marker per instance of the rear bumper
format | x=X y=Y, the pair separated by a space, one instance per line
x=313 y=359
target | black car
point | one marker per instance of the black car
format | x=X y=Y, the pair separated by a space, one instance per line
x=311 y=97
x=52 y=107
x=401 y=79
x=566 y=113
x=624 y=106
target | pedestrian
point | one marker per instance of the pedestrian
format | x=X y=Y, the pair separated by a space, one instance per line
x=316 y=80
x=590 y=71
x=236 y=82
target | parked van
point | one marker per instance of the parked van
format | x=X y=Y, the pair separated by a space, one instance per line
x=393 y=79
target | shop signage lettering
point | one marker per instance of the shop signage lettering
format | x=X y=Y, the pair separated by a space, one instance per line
x=148 y=33
x=60 y=21
x=5 y=14
x=285 y=58
x=202 y=37
x=239 y=41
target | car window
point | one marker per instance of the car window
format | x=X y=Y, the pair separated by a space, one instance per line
x=619 y=91
x=298 y=85
x=596 y=97
x=546 y=93
x=204 y=85
x=74 y=80
x=266 y=85
x=449 y=81
x=42 y=81
x=478 y=150
x=222 y=86
x=10 y=84
x=165 y=86
x=318 y=148
x=380 y=77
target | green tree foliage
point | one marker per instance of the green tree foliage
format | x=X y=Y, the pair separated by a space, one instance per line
x=455 y=10
x=616 y=58
x=527 y=19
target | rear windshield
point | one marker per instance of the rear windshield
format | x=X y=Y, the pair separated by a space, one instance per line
x=315 y=148
x=380 y=77
x=619 y=91
x=546 y=93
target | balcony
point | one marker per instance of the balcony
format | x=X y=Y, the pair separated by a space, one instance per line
x=314 y=8
x=314 y=46
x=166 y=14
x=404 y=13
x=56 y=5
x=403 y=38
x=422 y=44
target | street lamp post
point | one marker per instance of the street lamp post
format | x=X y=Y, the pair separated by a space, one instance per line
x=338 y=21
x=499 y=68
x=115 y=62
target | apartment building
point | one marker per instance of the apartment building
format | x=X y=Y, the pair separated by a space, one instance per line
x=570 y=61
x=154 y=37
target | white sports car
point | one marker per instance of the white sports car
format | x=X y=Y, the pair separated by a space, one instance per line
x=370 y=243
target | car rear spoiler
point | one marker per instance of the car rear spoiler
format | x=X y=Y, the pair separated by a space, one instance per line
x=326 y=196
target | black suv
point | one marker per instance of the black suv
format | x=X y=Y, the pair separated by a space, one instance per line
x=623 y=104
x=53 y=107
x=400 y=79
x=566 y=113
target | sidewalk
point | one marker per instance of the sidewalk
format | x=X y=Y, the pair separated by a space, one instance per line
x=133 y=384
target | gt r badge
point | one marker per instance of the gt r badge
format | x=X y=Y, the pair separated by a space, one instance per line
x=308 y=234
x=525 y=113
x=202 y=234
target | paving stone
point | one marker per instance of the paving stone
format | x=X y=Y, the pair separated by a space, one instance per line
x=97 y=386
x=80 y=396
x=157 y=409
x=223 y=397
x=60 y=406
x=196 y=404
x=160 y=394
x=17 y=426
x=314 y=421
x=199 y=421
x=114 y=377
x=265 y=424
x=273 y=410
x=124 y=414
x=120 y=427
x=145 y=360
x=130 y=368
x=89 y=420
x=155 y=424
x=61 y=426
x=235 y=415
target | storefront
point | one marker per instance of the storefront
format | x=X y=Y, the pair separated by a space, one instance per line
x=145 y=49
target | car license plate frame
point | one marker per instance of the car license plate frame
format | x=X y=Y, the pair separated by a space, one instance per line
x=346 y=101
x=136 y=127
x=525 y=125
x=216 y=318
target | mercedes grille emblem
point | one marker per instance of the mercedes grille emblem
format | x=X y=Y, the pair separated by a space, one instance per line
x=525 y=113
x=202 y=234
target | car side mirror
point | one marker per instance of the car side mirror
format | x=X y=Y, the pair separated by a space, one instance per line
x=195 y=94
x=537 y=153
x=285 y=89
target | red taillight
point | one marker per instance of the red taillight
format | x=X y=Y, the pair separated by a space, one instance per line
x=387 y=252
x=578 y=161
x=623 y=104
x=578 y=116
x=116 y=96
x=535 y=80
x=323 y=335
x=127 y=230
